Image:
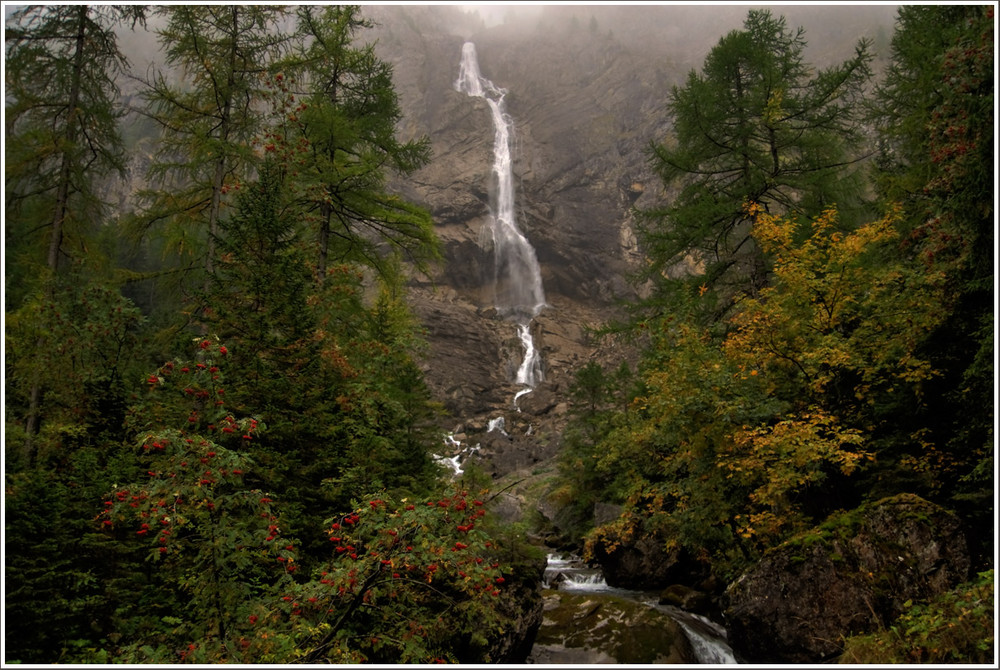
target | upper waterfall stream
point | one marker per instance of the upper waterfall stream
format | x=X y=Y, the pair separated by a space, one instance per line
x=517 y=276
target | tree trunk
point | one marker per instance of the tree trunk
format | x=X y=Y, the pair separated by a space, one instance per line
x=324 y=242
x=69 y=142
x=60 y=209
x=218 y=178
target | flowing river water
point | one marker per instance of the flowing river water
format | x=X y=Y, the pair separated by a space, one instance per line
x=568 y=578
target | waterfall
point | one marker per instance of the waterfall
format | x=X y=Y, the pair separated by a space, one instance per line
x=455 y=463
x=517 y=277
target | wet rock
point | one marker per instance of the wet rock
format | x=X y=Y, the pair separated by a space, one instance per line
x=687 y=599
x=554 y=584
x=849 y=576
x=604 y=628
x=635 y=560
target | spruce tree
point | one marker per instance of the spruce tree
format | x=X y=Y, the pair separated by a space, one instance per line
x=346 y=127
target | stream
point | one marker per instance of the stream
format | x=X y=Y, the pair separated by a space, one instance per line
x=587 y=621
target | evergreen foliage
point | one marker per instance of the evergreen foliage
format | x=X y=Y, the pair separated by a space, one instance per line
x=755 y=125
x=340 y=144
x=141 y=523
x=70 y=349
x=208 y=107
x=62 y=108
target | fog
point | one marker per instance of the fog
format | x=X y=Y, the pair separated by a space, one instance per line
x=677 y=36
x=694 y=28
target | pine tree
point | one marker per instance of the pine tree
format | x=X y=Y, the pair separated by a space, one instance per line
x=332 y=377
x=342 y=146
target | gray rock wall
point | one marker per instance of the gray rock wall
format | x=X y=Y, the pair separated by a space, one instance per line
x=584 y=109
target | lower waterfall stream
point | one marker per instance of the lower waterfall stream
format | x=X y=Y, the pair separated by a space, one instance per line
x=569 y=577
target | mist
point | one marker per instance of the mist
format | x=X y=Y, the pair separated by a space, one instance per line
x=687 y=32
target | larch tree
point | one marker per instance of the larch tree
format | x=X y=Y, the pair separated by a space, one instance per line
x=343 y=146
x=209 y=106
x=757 y=124
x=62 y=141
x=62 y=138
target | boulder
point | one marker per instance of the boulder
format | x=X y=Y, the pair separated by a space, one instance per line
x=687 y=599
x=849 y=576
x=631 y=559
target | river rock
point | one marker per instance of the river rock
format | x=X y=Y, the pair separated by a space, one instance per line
x=687 y=599
x=605 y=628
x=849 y=576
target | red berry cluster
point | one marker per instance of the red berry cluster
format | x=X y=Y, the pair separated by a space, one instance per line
x=401 y=558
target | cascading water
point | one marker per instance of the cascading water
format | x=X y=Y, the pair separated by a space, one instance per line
x=517 y=277
x=707 y=638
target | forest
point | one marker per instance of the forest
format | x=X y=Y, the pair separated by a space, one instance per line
x=219 y=443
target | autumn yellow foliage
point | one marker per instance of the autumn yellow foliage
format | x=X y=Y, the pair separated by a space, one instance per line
x=733 y=433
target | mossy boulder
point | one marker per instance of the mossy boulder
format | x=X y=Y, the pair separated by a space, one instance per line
x=580 y=627
x=850 y=575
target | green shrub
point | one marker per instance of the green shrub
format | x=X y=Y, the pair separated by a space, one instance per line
x=955 y=627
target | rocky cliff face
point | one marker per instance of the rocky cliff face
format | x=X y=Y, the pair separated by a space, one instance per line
x=587 y=91
x=584 y=108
